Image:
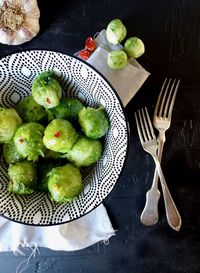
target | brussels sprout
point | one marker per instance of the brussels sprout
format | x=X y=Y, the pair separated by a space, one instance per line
x=134 y=47
x=10 y=153
x=23 y=177
x=9 y=122
x=115 y=32
x=59 y=135
x=28 y=140
x=85 y=152
x=117 y=59
x=46 y=90
x=94 y=122
x=64 y=183
x=29 y=110
x=67 y=109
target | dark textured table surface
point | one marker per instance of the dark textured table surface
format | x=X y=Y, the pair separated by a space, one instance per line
x=171 y=33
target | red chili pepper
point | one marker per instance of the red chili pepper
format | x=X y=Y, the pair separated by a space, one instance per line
x=57 y=134
x=84 y=54
x=90 y=44
x=48 y=100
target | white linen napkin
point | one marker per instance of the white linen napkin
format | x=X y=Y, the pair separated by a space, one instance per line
x=83 y=232
x=126 y=81
x=95 y=226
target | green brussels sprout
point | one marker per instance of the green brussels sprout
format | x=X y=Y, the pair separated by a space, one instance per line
x=85 y=152
x=46 y=90
x=94 y=122
x=59 y=135
x=10 y=153
x=117 y=59
x=115 y=32
x=67 y=109
x=9 y=122
x=64 y=183
x=23 y=177
x=134 y=47
x=30 y=111
x=28 y=140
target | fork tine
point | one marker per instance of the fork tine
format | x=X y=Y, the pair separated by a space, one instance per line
x=143 y=130
x=144 y=125
x=139 y=129
x=149 y=124
x=167 y=98
x=159 y=104
x=175 y=89
x=163 y=96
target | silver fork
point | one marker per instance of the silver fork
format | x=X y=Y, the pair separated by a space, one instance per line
x=150 y=145
x=161 y=120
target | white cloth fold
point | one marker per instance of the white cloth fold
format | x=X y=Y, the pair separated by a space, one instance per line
x=83 y=232
x=95 y=226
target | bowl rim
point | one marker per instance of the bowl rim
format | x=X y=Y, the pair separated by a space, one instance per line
x=126 y=121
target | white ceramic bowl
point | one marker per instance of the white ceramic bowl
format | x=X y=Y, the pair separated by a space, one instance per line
x=79 y=80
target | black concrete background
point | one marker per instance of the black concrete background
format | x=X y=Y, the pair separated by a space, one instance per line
x=171 y=33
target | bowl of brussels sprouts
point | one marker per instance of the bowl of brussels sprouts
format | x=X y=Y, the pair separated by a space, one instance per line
x=63 y=137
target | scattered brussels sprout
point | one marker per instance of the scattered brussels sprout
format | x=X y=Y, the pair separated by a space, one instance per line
x=28 y=140
x=10 y=153
x=59 y=135
x=23 y=177
x=46 y=90
x=117 y=59
x=30 y=111
x=9 y=122
x=67 y=109
x=85 y=152
x=115 y=32
x=134 y=47
x=94 y=122
x=64 y=183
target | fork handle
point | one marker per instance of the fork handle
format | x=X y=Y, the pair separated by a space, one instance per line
x=173 y=216
x=149 y=215
x=161 y=142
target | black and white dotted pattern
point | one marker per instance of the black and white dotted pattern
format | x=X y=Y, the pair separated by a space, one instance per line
x=17 y=72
